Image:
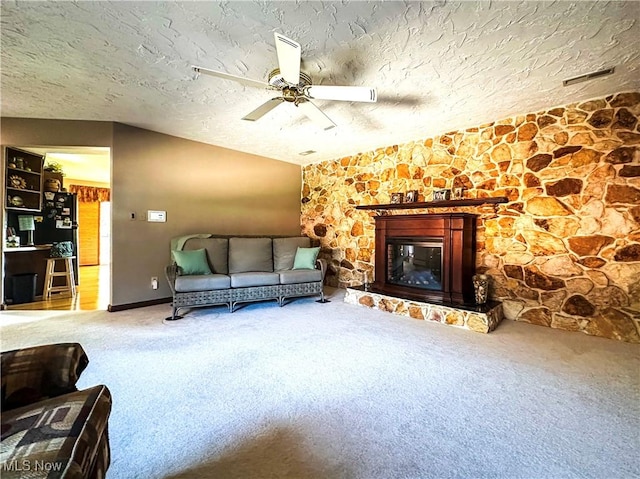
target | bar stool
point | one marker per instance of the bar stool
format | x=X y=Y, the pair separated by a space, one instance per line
x=51 y=274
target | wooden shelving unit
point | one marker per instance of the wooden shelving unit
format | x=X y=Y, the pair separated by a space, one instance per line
x=23 y=186
x=436 y=204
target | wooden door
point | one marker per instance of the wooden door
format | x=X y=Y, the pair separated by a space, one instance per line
x=89 y=233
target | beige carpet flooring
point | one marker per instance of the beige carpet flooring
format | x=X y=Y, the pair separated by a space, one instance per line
x=333 y=390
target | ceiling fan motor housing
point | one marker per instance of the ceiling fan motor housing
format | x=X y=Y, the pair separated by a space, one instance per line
x=290 y=92
x=276 y=79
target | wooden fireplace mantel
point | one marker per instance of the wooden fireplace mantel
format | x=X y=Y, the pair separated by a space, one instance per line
x=436 y=204
x=458 y=234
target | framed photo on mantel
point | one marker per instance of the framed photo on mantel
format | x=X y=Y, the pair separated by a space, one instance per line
x=441 y=195
x=397 y=198
x=411 y=196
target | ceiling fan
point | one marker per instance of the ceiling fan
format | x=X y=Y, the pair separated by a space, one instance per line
x=296 y=86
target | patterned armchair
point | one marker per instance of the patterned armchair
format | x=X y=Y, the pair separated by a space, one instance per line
x=49 y=427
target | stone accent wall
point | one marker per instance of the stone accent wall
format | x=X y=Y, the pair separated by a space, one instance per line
x=563 y=252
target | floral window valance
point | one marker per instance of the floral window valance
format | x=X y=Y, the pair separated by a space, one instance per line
x=90 y=193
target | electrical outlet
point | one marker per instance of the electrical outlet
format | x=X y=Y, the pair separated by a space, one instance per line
x=132 y=216
x=154 y=282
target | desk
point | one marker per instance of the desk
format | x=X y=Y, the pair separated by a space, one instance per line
x=25 y=259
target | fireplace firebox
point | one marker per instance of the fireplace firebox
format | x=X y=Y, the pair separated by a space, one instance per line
x=429 y=257
x=415 y=262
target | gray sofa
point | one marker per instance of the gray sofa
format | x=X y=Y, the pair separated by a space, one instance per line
x=243 y=269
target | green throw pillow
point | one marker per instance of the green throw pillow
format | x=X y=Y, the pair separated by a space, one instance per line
x=306 y=258
x=192 y=261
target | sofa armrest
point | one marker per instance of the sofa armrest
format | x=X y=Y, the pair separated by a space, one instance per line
x=40 y=372
x=322 y=264
x=172 y=272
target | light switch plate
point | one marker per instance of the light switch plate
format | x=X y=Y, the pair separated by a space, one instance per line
x=156 y=216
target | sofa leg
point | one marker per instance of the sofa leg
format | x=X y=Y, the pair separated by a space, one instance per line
x=174 y=316
x=281 y=301
x=322 y=298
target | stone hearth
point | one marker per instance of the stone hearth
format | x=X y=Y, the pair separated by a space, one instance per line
x=482 y=319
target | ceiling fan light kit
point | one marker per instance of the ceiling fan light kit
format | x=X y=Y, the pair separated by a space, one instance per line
x=295 y=86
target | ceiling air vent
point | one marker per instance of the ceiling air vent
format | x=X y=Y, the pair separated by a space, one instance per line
x=588 y=76
x=308 y=152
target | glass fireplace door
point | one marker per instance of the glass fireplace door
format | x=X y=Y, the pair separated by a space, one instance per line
x=415 y=263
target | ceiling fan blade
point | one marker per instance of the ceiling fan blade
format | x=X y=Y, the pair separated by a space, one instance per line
x=316 y=115
x=342 y=93
x=288 y=58
x=263 y=109
x=227 y=76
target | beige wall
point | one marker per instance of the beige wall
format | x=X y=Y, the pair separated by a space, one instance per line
x=202 y=188
x=33 y=132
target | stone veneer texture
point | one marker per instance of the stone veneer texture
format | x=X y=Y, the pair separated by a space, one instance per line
x=481 y=322
x=564 y=251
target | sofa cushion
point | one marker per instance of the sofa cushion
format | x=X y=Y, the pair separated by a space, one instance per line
x=250 y=254
x=204 y=282
x=245 y=280
x=284 y=251
x=300 y=276
x=217 y=251
x=64 y=433
x=192 y=262
x=306 y=258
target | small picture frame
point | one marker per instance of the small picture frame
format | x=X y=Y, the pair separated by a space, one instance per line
x=63 y=224
x=441 y=195
x=458 y=193
x=411 y=196
x=397 y=198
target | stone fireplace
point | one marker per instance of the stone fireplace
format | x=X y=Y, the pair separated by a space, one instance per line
x=423 y=269
x=426 y=257
x=562 y=252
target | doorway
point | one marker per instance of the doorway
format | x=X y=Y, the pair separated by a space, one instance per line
x=94 y=235
x=87 y=173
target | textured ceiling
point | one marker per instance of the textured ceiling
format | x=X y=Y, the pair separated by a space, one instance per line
x=438 y=66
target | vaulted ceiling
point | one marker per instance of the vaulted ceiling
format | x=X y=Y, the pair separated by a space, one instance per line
x=437 y=65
